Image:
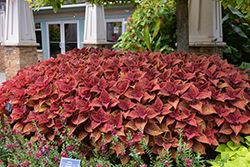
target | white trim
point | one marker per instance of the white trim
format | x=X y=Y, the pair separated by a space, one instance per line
x=117 y=20
x=63 y=6
x=62 y=33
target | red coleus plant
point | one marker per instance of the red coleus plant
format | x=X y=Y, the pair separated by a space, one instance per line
x=102 y=91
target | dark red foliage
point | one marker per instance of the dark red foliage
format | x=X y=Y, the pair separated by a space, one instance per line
x=99 y=89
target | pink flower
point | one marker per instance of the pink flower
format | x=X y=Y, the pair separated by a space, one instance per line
x=38 y=154
x=56 y=159
x=64 y=154
x=30 y=152
x=98 y=165
x=1 y=161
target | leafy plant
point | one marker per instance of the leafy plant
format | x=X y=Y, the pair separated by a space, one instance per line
x=152 y=27
x=159 y=93
x=236 y=27
x=232 y=154
x=245 y=67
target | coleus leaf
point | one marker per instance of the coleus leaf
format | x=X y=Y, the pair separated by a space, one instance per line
x=105 y=98
x=225 y=129
x=153 y=129
x=80 y=119
x=207 y=109
x=100 y=116
x=236 y=128
x=202 y=138
x=126 y=104
x=237 y=118
x=245 y=128
x=199 y=148
x=28 y=128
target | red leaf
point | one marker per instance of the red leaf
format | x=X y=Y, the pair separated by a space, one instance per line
x=207 y=109
x=218 y=120
x=236 y=128
x=240 y=103
x=202 y=138
x=196 y=105
x=19 y=126
x=153 y=129
x=245 y=129
x=225 y=129
x=140 y=124
x=199 y=148
x=131 y=125
x=126 y=104
x=235 y=138
x=79 y=119
x=95 y=124
x=82 y=135
x=138 y=93
x=104 y=98
x=180 y=125
x=28 y=128
x=173 y=100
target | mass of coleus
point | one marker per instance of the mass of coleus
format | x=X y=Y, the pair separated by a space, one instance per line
x=102 y=91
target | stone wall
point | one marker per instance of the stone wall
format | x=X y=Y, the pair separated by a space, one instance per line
x=207 y=48
x=2 y=63
x=40 y=55
x=19 y=57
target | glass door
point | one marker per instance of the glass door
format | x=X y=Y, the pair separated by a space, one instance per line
x=63 y=37
x=54 y=40
x=70 y=36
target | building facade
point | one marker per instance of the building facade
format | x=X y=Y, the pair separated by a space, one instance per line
x=63 y=31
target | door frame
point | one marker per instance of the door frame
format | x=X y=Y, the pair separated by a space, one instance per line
x=62 y=33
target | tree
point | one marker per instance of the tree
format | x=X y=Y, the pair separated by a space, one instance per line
x=182 y=14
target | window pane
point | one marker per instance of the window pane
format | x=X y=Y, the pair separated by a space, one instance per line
x=37 y=25
x=70 y=36
x=39 y=39
x=54 y=40
x=114 y=31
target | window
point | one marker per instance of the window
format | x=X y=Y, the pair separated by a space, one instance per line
x=114 y=28
x=38 y=31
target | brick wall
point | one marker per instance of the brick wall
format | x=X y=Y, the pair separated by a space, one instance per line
x=19 y=57
x=207 y=48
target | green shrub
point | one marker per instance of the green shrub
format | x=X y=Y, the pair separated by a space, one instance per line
x=236 y=27
x=141 y=28
x=233 y=155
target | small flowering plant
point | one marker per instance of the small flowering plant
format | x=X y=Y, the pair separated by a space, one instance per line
x=17 y=151
x=186 y=157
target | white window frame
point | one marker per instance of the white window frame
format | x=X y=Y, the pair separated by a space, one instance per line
x=62 y=32
x=117 y=20
x=39 y=29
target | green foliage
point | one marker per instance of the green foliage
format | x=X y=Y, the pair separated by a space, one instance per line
x=56 y=4
x=245 y=67
x=233 y=155
x=236 y=27
x=152 y=27
x=242 y=5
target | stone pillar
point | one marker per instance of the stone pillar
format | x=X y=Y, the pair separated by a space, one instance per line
x=2 y=23
x=95 y=26
x=20 y=45
x=205 y=27
x=40 y=55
